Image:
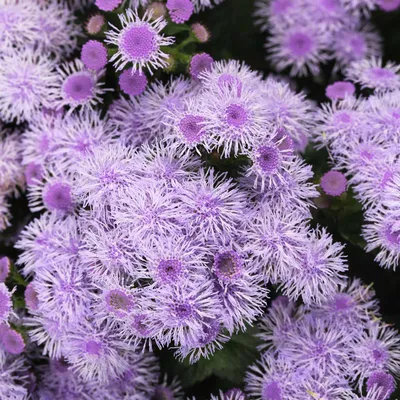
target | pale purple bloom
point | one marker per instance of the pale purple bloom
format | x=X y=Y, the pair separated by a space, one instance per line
x=31 y=297
x=95 y=24
x=78 y=87
x=27 y=81
x=94 y=55
x=212 y=207
x=139 y=42
x=318 y=271
x=389 y=5
x=371 y=73
x=339 y=90
x=300 y=48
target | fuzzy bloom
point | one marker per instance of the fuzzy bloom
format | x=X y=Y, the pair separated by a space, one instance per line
x=5 y=265
x=201 y=32
x=139 y=42
x=108 y=5
x=78 y=87
x=357 y=43
x=333 y=183
x=212 y=207
x=27 y=82
x=319 y=271
x=376 y=349
x=180 y=10
x=371 y=73
x=339 y=90
x=132 y=83
x=200 y=63
x=95 y=24
x=94 y=55
x=300 y=48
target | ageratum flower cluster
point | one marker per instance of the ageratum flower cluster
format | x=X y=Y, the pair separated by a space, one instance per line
x=338 y=350
x=142 y=244
x=306 y=34
x=362 y=134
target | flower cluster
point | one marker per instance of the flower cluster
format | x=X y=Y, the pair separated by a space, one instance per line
x=305 y=34
x=331 y=351
x=362 y=134
x=143 y=243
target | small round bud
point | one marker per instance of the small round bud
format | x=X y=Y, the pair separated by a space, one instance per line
x=95 y=24
x=4 y=268
x=201 y=32
x=158 y=9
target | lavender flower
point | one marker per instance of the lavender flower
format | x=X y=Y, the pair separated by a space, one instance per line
x=132 y=83
x=139 y=42
x=333 y=183
x=180 y=10
x=94 y=55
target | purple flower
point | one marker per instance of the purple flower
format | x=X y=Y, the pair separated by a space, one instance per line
x=211 y=207
x=300 y=48
x=333 y=183
x=200 y=63
x=319 y=271
x=375 y=349
x=78 y=86
x=11 y=340
x=201 y=32
x=370 y=73
x=180 y=10
x=139 y=42
x=356 y=43
x=94 y=55
x=132 y=83
x=339 y=90
x=27 y=81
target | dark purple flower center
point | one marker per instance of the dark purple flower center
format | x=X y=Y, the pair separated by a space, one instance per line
x=268 y=158
x=140 y=326
x=183 y=310
x=138 y=42
x=228 y=265
x=300 y=44
x=236 y=115
x=57 y=196
x=169 y=270
x=93 y=347
x=381 y=73
x=79 y=87
x=191 y=128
